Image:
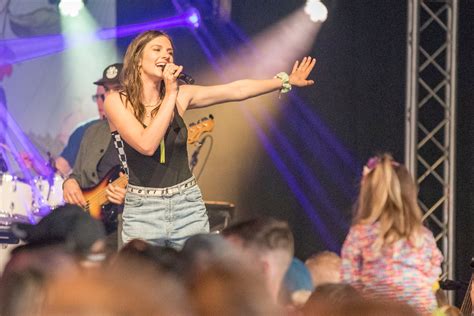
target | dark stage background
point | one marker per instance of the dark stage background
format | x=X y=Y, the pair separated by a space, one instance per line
x=359 y=94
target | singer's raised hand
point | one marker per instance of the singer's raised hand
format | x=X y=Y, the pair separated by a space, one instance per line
x=301 y=71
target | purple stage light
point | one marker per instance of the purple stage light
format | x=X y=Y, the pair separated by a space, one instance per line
x=321 y=148
x=28 y=177
x=324 y=131
x=181 y=20
x=29 y=161
x=312 y=119
x=305 y=172
x=290 y=179
x=194 y=18
x=206 y=50
x=34 y=47
x=319 y=226
x=43 y=168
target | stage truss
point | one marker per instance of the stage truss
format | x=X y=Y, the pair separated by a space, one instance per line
x=430 y=115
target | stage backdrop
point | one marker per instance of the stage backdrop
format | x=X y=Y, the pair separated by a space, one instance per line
x=49 y=96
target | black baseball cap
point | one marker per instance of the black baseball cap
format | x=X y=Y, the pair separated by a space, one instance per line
x=111 y=75
x=68 y=225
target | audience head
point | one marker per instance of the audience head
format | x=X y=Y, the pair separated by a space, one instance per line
x=67 y=226
x=371 y=308
x=22 y=292
x=388 y=195
x=202 y=250
x=268 y=243
x=231 y=290
x=325 y=267
x=119 y=290
x=327 y=296
x=26 y=274
x=262 y=233
x=164 y=259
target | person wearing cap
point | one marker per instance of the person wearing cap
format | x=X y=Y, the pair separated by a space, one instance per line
x=109 y=82
x=96 y=154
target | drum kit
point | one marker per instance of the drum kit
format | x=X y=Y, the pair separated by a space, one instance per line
x=28 y=198
x=25 y=201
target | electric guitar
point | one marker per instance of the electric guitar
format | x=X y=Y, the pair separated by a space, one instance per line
x=466 y=307
x=98 y=206
x=195 y=130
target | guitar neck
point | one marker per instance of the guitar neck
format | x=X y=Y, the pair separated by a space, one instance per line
x=101 y=196
x=97 y=196
x=466 y=307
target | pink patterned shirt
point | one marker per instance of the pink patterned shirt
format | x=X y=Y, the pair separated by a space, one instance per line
x=400 y=271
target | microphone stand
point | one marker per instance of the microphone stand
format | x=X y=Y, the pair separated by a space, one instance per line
x=194 y=156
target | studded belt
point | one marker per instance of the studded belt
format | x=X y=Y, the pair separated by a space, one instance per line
x=169 y=191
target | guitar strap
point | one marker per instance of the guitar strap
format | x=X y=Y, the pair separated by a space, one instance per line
x=121 y=151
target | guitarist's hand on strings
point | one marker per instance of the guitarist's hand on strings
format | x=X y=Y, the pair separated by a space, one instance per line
x=116 y=194
x=72 y=193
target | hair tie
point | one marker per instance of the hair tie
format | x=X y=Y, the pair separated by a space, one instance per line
x=285 y=82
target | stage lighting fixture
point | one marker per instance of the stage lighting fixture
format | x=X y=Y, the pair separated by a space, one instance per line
x=70 y=7
x=316 y=10
x=194 y=17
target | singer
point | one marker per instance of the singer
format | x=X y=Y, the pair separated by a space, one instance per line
x=163 y=204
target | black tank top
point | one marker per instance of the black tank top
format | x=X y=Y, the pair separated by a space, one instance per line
x=147 y=171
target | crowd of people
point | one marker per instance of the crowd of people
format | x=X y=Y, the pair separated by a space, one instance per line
x=164 y=261
x=389 y=265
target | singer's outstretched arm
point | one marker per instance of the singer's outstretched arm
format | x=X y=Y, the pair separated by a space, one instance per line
x=201 y=96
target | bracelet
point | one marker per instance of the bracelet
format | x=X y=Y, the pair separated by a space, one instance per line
x=285 y=82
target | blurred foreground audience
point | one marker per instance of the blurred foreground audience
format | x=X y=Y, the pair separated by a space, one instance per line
x=248 y=270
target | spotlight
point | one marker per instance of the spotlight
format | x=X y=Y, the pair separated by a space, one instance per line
x=194 y=18
x=70 y=7
x=316 y=10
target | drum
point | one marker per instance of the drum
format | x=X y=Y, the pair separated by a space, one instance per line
x=48 y=194
x=5 y=250
x=16 y=198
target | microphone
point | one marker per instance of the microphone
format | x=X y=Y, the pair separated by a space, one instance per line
x=452 y=285
x=186 y=78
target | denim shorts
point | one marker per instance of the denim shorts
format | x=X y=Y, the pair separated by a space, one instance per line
x=164 y=219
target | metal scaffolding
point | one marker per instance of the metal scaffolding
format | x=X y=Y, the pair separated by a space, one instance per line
x=430 y=115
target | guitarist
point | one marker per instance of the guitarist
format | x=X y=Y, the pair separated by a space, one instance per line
x=97 y=155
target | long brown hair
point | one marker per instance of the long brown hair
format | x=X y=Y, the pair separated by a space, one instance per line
x=388 y=195
x=131 y=81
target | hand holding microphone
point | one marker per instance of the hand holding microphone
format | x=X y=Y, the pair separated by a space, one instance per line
x=187 y=79
x=170 y=76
